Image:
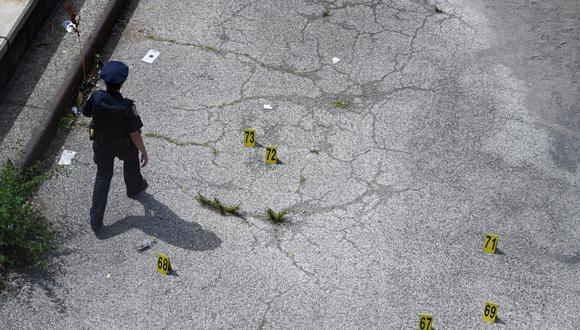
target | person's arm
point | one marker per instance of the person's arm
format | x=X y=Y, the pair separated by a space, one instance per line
x=138 y=141
x=87 y=109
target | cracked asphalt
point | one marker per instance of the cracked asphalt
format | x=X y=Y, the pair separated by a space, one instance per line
x=463 y=120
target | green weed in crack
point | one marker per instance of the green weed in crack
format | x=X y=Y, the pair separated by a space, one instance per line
x=262 y=324
x=326 y=12
x=174 y=141
x=277 y=217
x=217 y=205
x=66 y=122
x=341 y=104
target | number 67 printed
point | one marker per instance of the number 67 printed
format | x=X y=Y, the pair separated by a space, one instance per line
x=425 y=322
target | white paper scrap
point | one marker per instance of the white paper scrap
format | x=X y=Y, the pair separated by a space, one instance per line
x=150 y=56
x=66 y=157
x=69 y=26
x=335 y=60
x=268 y=106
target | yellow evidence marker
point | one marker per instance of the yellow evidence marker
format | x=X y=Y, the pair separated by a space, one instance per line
x=490 y=244
x=490 y=312
x=425 y=321
x=250 y=138
x=163 y=264
x=271 y=155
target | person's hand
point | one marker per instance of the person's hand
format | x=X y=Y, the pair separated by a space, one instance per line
x=144 y=159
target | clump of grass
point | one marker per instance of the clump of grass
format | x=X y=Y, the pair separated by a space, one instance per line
x=326 y=12
x=302 y=179
x=341 y=104
x=174 y=141
x=277 y=217
x=262 y=323
x=315 y=151
x=66 y=122
x=217 y=205
x=24 y=232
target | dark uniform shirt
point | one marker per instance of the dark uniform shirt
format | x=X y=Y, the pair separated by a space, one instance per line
x=114 y=116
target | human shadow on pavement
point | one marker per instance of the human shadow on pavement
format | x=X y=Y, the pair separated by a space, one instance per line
x=165 y=225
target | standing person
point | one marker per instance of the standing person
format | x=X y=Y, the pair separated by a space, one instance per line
x=116 y=132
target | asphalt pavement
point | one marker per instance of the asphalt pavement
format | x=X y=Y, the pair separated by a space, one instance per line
x=406 y=131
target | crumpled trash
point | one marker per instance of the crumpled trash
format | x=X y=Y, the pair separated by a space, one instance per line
x=335 y=60
x=66 y=157
x=150 y=56
x=69 y=26
x=146 y=244
x=268 y=106
x=74 y=110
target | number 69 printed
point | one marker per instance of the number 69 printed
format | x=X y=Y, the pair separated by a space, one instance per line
x=490 y=312
x=425 y=322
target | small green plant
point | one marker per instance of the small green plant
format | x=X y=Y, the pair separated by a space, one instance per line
x=174 y=141
x=215 y=151
x=66 y=122
x=262 y=324
x=24 y=232
x=341 y=104
x=216 y=204
x=315 y=151
x=326 y=12
x=277 y=217
x=302 y=179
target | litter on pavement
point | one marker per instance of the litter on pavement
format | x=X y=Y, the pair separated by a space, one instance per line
x=150 y=56
x=69 y=26
x=335 y=60
x=268 y=106
x=66 y=157
x=146 y=244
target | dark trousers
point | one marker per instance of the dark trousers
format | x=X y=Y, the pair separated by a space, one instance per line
x=105 y=153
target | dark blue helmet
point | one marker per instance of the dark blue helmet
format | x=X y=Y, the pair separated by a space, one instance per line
x=114 y=72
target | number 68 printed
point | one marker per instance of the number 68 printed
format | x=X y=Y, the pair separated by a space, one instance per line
x=425 y=322
x=163 y=264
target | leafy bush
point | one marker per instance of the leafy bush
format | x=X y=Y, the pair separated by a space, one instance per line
x=24 y=232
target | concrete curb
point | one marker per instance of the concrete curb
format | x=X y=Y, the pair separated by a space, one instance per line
x=45 y=132
x=14 y=45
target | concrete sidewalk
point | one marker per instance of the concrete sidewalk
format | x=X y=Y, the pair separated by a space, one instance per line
x=20 y=20
x=39 y=74
x=460 y=123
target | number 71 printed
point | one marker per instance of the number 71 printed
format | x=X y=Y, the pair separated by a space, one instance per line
x=490 y=243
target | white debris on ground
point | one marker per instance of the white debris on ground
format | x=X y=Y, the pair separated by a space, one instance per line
x=151 y=56
x=66 y=157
